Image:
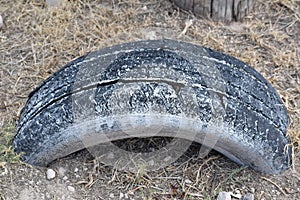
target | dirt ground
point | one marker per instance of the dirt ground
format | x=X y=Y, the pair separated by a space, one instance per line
x=36 y=40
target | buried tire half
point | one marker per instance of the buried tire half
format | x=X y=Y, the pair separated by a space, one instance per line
x=156 y=88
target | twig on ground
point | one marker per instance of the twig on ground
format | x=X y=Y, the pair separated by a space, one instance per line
x=204 y=163
x=188 y=23
x=275 y=184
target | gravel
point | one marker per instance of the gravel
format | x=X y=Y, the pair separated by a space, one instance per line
x=71 y=188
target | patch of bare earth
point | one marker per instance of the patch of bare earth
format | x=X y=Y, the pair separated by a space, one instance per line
x=36 y=40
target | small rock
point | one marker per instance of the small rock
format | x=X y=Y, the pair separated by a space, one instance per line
x=248 y=196
x=71 y=188
x=121 y=195
x=76 y=170
x=1 y=21
x=61 y=171
x=111 y=195
x=50 y=174
x=224 y=196
x=65 y=178
x=188 y=181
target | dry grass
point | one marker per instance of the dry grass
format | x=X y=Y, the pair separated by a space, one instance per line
x=36 y=40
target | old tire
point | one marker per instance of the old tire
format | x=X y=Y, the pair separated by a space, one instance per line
x=230 y=10
x=208 y=93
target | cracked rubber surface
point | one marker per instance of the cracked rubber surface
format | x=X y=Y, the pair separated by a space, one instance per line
x=194 y=91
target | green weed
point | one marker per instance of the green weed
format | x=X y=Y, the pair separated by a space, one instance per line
x=7 y=153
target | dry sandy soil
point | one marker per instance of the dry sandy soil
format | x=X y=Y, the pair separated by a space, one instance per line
x=36 y=40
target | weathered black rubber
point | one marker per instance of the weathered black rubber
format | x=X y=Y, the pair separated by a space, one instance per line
x=161 y=79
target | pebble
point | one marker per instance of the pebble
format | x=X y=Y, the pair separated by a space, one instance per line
x=61 y=171
x=111 y=195
x=248 y=196
x=71 y=188
x=224 y=196
x=188 y=181
x=50 y=174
